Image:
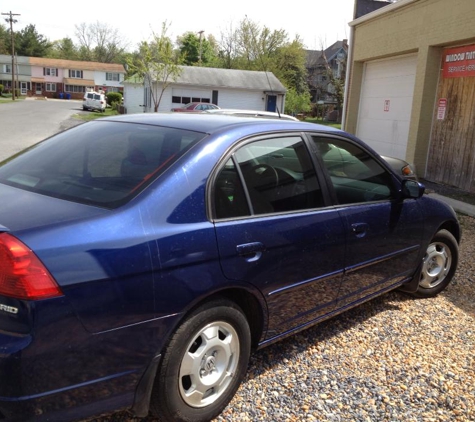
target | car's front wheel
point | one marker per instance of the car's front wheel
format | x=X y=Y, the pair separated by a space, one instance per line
x=203 y=364
x=438 y=265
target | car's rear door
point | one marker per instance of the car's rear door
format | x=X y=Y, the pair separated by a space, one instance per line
x=384 y=233
x=274 y=230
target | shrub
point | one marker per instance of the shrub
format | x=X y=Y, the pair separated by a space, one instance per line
x=1 y=89
x=114 y=97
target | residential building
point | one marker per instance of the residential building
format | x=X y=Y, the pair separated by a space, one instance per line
x=56 y=78
x=227 y=88
x=411 y=84
x=319 y=63
x=22 y=73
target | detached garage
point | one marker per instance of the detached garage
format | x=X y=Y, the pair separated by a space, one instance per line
x=411 y=89
x=227 y=88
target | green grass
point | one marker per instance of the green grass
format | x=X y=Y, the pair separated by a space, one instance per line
x=322 y=122
x=92 y=115
x=9 y=99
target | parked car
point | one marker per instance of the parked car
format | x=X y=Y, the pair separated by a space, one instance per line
x=143 y=257
x=252 y=113
x=94 y=101
x=196 y=107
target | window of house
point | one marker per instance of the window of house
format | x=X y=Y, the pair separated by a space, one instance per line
x=50 y=87
x=8 y=68
x=50 y=71
x=75 y=74
x=355 y=175
x=76 y=88
x=278 y=176
x=112 y=77
x=186 y=100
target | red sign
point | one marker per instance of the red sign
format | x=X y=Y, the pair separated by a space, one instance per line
x=441 y=108
x=459 y=62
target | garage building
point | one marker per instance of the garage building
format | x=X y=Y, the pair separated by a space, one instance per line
x=227 y=88
x=411 y=86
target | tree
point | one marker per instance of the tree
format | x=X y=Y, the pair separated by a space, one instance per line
x=227 y=49
x=4 y=35
x=100 y=42
x=196 y=49
x=158 y=65
x=297 y=102
x=28 y=42
x=250 y=47
x=64 y=49
x=256 y=46
x=289 y=66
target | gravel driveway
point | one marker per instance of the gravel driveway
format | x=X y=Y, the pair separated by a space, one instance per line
x=392 y=359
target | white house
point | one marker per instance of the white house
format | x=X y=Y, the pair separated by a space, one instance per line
x=227 y=88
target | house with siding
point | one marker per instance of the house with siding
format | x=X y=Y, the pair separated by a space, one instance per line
x=318 y=64
x=53 y=78
x=227 y=88
x=22 y=72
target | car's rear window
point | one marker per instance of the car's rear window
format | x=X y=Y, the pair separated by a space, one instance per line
x=99 y=163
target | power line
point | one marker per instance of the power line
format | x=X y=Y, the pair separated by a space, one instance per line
x=11 y=20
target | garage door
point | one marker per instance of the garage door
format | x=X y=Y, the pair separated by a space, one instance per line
x=386 y=104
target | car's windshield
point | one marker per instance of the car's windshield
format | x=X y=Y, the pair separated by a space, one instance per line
x=98 y=163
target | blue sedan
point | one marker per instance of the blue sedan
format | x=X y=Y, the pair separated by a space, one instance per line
x=143 y=257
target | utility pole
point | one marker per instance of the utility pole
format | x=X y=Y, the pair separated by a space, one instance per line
x=201 y=35
x=12 y=21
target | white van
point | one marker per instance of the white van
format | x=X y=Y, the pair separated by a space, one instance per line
x=94 y=101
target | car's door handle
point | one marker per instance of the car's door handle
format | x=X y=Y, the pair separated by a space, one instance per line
x=251 y=251
x=359 y=229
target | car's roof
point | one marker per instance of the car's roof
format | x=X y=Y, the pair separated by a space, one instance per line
x=211 y=123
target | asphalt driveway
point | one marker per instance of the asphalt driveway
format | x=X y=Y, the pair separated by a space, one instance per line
x=26 y=122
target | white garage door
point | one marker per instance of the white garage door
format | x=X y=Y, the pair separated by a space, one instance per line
x=386 y=104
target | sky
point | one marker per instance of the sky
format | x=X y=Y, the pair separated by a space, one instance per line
x=317 y=22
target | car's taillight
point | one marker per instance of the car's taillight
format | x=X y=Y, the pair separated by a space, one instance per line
x=22 y=275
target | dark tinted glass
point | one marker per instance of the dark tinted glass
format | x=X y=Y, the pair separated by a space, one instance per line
x=355 y=175
x=279 y=175
x=98 y=163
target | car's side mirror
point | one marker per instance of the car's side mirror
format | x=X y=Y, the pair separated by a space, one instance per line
x=412 y=189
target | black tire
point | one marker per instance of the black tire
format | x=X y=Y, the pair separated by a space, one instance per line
x=208 y=355
x=439 y=264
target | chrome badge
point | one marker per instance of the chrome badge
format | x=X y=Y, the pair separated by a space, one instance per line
x=9 y=309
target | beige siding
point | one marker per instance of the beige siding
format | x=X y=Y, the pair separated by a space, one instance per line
x=420 y=26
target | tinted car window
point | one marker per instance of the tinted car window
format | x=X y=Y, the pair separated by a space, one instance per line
x=102 y=163
x=230 y=199
x=355 y=175
x=278 y=176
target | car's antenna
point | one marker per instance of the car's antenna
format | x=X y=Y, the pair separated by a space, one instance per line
x=265 y=70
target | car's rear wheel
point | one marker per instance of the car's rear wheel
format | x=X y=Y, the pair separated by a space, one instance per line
x=438 y=265
x=203 y=364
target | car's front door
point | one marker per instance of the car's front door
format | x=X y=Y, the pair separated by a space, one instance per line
x=274 y=230
x=384 y=233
